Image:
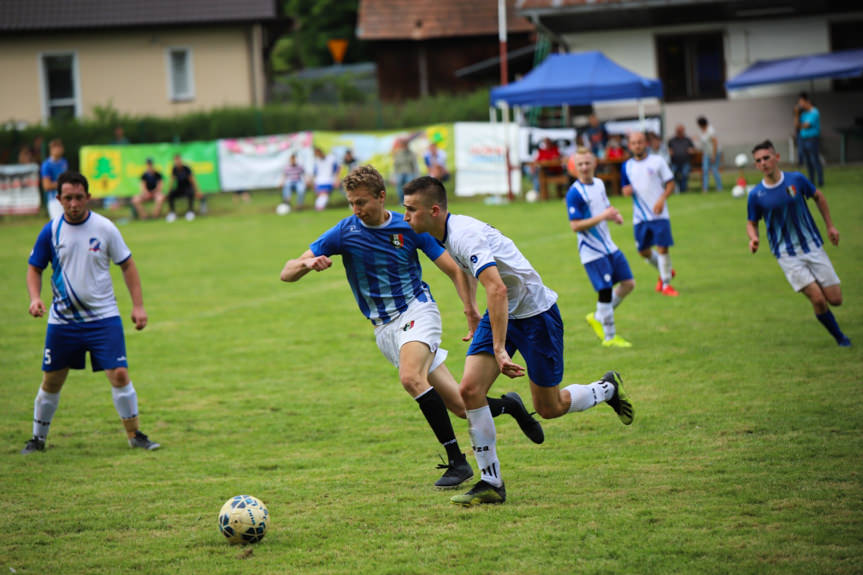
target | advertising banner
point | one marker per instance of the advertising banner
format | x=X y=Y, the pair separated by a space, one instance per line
x=19 y=189
x=258 y=163
x=115 y=171
x=480 y=158
x=530 y=138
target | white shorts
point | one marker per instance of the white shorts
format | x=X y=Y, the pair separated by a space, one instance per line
x=801 y=270
x=420 y=322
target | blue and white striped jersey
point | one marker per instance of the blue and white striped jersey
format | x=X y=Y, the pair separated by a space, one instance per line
x=585 y=201
x=381 y=263
x=790 y=227
x=80 y=256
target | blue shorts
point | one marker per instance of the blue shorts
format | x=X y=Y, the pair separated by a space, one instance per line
x=66 y=344
x=539 y=339
x=653 y=233
x=608 y=270
x=322 y=188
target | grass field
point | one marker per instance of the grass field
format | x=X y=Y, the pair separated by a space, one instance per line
x=744 y=457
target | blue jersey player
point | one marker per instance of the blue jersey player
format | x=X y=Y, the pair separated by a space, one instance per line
x=80 y=246
x=522 y=315
x=379 y=252
x=589 y=213
x=780 y=200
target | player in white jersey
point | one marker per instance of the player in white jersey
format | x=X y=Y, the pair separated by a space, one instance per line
x=84 y=317
x=589 y=213
x=379 y=252
x=522 y=315
x=648 y=179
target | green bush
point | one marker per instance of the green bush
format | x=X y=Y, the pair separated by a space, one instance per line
x=356 y=113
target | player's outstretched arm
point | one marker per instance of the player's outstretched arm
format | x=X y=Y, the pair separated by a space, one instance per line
x=498 y=315
x=752 y=232
x=133 y=283
x=821 y=202
x=34 y=289
x=610 y=213
x=297 y=268
x=465 y=288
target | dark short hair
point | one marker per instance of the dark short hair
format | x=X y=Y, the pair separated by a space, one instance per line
x=72 y=178
x=149 y=160
x=765 y=145
x=429 y=187
x=701 y=121
x=803 y=96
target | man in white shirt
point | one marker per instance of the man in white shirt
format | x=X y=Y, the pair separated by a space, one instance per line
x=648 y=179
x=522 y=315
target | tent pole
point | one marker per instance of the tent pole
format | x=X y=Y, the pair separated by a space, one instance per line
x=641 y=113
x=509 y=193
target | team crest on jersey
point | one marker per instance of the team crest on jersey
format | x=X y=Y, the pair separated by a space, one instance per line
x=791 y=191
x=473 y=259
x=398 y=240
x=95 y=245
x=408 y=325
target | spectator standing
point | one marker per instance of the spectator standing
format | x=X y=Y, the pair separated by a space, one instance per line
x=51 y=169
x=809 y=124
x=680 y=149
x=595 y=136
x=405 y=166
x=656 y=147
x=294 y=180
x=711 y=154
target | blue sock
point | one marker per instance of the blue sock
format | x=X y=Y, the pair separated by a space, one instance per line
x=829 y=322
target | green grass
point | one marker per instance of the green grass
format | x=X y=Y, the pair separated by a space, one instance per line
x=745 y=454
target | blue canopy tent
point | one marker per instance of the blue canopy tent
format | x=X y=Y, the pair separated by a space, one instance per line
x=576 y=79
x=844 y=64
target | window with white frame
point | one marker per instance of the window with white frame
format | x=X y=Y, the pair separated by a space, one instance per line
x=60 y=95
x=181 y=78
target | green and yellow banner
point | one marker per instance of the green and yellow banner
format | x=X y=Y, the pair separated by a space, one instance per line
x=115 y=171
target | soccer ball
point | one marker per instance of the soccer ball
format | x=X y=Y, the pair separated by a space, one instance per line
x=738 y=191
x=531 y=196
x=244 y=519
x=283 y=209
x=740 y=160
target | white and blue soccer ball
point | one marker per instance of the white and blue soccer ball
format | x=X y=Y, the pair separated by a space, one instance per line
x=740 y=160
x=244 y=519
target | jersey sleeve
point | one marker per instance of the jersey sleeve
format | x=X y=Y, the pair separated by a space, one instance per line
x=624 y=175
x=429 y=246
x=118 y=251
x=475 y=253
x=808 y=188
x=44 y=171
x=41 y=254
x=752 y=208
x=665 y=173
x=329 y=243
x=576 y=207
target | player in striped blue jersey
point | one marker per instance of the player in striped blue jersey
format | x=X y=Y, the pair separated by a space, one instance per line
x=589 y=213
x=780 y=200
x=80 y=246
x=379 y=252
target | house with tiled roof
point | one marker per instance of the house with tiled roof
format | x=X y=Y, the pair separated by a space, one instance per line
x=425 y=47
x=159 y=57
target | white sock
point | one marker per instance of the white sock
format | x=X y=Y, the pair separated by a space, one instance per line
x=605 y=316
x=44 y=408
x=615 y=300
x=665 y=268
x=584 y=397
x=483 y=436
x=653 y=259
x=321 y=201
x=125 y=400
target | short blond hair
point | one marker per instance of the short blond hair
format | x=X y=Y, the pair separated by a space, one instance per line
x=366 y=177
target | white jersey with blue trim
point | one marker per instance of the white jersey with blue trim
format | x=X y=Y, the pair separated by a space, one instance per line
x=325 y=170
x=80 y=256
x=584 y=201
x=475 y=245
x=647 y=177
